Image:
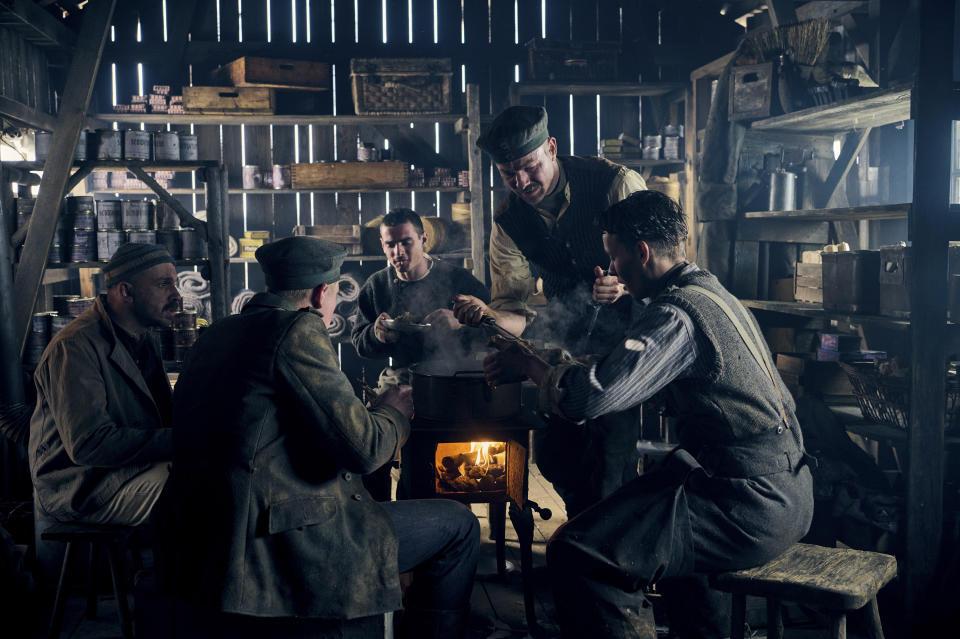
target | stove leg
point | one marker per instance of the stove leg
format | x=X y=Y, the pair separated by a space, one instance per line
x=498 y=523
x=523 y=524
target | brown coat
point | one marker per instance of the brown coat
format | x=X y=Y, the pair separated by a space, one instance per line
x=96 y=425
x=270 y=441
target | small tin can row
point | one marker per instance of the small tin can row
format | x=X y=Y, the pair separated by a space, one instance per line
x=129 y=144
x=43 y=326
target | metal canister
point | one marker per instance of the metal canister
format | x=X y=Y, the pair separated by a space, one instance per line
x=38 y=338
x=185 y=320
x=79 y=305
x=188 y=147
x=77 y=203
x=281 y=176
x=184 y=336
x=84 y=220
x=170 y=239
x=166 y=145
x=59 y=321
x=108 y=241
x=252 y=176
x=193 y=245
x=41 y=144
x=84 y=246
x=109 y=214
x=166 y=216
x=60 y=303
x=136 y=144
x=55 y=256
x=80 y=153
x=109 y=144
x=783 y=191
x=142 y=237
x=135 y=215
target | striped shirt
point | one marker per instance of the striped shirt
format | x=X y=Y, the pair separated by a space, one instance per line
x=660 y=346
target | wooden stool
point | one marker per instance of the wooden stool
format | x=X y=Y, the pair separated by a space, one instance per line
x=109 y=539
x=834 y=580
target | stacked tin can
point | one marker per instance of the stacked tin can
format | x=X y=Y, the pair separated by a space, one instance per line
x=41 y=146
x=38 y=338
x=110 y=233
x=137 y=220
x=80 y=221
x=175 y=342
x=168 y=230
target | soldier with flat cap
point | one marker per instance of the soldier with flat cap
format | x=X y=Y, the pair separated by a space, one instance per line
x=545 y=229
x=100 y=437
x=270 y=445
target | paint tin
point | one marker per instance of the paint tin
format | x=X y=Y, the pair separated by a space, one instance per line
x=135 y=215
x=108 y=241
x=170 y=239
x=84 y=220
x=184 y=336
x=41 y=144
x=109 y=214
x=252 y=176
x=109 y=144
x=188 y=147
x=180 y=353
x=79 y=305
x=57 y=322
x=193 y=245
x=142 y=237
x=80 y=153
x=166 y=146
x=185 y=320
x=84 y=246
x=281 y=176
x=38 y=338
x=136 y=144
x=55 y=256
x=166 y=216
x=60 y=303
x=79 y=203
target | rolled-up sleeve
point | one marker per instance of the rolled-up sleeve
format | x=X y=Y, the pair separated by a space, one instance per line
x=511 y=281
x=659 y=348
x=626 y=182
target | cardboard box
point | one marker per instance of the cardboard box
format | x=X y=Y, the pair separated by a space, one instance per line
x=227 y=100
x=250 y=71
x=257 y=235
x=808 y=282
x=349 y=175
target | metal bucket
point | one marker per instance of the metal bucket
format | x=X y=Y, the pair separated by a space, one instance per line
x=136 y=144
x=193 y=245
x=135 y=215
x=166 y=146
x=170 y=239
x=142 y=237
x=783 y=191
x=84 y=246
x=108 y=241
x=442 y=393
x=109 y=144
x=188 y=147
x=109 y=214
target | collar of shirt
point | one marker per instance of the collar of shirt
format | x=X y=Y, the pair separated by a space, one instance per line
x=668 y=278
x=430 y=262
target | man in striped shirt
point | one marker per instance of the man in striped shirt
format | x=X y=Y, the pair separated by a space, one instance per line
x=735 y=493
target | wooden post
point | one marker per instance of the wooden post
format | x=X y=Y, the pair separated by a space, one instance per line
x=216 y=234
x=73 y=114
x=931 y=101
x=475 y=164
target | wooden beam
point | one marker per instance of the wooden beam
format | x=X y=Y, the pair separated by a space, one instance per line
x=73 y=109
x=217 y=228
x=186 y=217
x=36 y=25
x=475 y=163
x=828 y=9
x=841 y=167
x=781 y=12
x=28 y=116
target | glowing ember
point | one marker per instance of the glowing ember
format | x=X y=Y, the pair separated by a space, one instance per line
x=471 y=466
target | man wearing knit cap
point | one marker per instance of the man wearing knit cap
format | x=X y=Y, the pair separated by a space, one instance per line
x=100 y=437
x=272 y=430
x=545 y=229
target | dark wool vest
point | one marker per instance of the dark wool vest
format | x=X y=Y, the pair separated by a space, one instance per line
x=565 y=256
x=735 y=398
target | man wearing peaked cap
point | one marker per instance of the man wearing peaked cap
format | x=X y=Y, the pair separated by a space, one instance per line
x=545 y=230
x=100 y=436
x=271 y=428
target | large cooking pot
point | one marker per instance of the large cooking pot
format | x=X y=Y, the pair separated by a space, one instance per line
x=459 y=392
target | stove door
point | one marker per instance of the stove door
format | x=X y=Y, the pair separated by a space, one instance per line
x=517 y=473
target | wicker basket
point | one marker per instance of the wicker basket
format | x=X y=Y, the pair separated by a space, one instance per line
x=401 y=86
x=885 y=399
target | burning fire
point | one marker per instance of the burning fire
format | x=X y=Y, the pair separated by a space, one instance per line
x=484 y=458
x=471 y=466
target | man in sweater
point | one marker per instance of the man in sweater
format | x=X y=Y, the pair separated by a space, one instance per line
x=735 y=493
x=545 y=229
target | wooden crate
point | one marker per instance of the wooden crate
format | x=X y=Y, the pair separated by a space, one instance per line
x=250 y=71
x=349 y=175
x=228 y=100
x=339 y=233
x=400 y=86
x=572 y=61
x=808 y=282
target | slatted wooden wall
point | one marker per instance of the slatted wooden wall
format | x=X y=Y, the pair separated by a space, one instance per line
x=180 y=41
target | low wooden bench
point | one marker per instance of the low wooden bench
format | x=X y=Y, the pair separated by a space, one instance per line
x=833 y=580
x=111 y=540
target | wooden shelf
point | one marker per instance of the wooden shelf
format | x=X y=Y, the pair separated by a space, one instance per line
x=852 y=420
x=875 y=212
x=116 y=165
x=369 y=189
x=627 y=89
x=640 y=163
x=69 y=266
x=881 y=107
x=104 y=119
x=458 y=255
x=171 y=191
x=817 y=311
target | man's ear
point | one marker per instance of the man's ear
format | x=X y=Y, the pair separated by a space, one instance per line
x=316 y=295
x=125 y=289
x=551 y=147
x=643 y=251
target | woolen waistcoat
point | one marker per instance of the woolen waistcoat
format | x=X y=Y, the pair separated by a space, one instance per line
x=735 y=399
x=565 y=256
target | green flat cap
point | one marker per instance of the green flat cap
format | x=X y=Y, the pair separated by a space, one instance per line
x=518 y=130
x=300 y=262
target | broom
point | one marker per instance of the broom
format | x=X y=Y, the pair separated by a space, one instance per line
x=803 y=42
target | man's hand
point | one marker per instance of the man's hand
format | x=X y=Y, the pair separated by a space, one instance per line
x=382 y=333
x=511 y=364
x=607 y=289
x=400 y=397
x=469 y=309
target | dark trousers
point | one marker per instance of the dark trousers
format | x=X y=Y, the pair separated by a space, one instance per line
x=438 y=540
